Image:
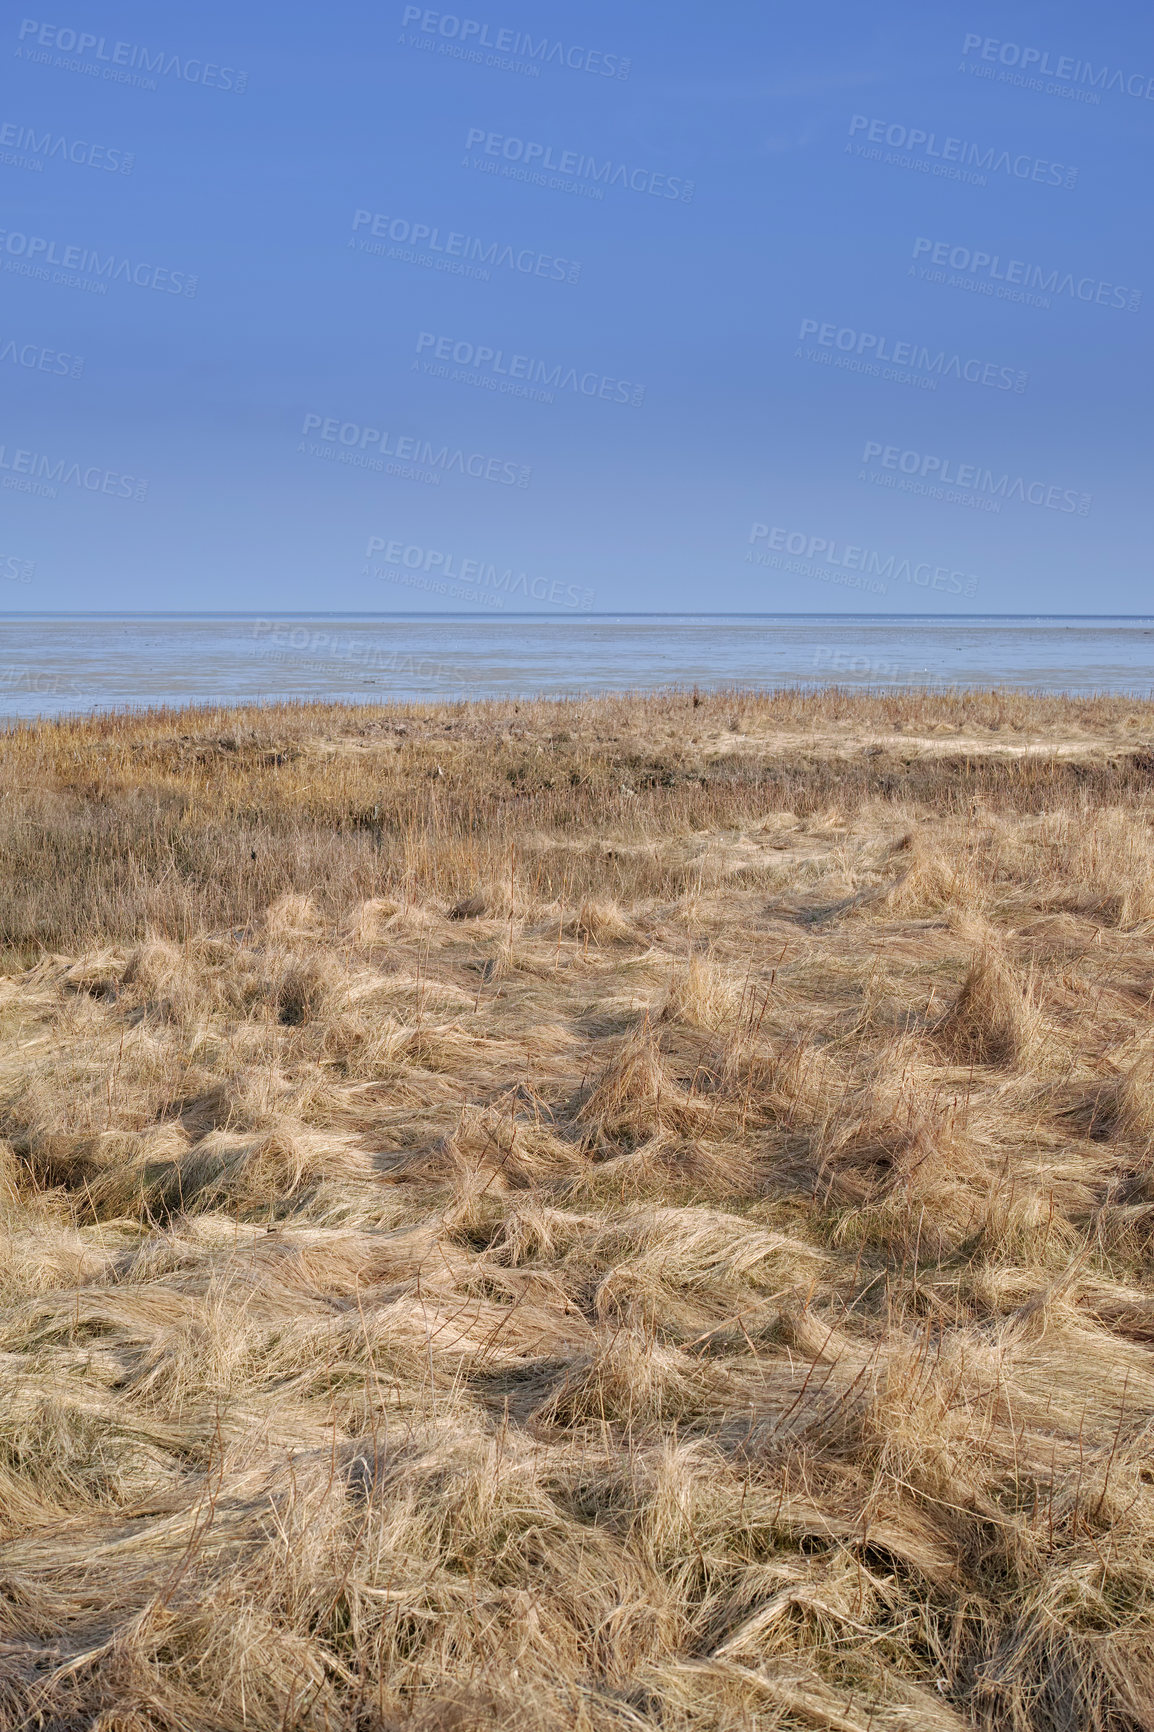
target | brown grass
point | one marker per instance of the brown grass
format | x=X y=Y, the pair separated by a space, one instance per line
x=633 y=1213
x=994 y=1019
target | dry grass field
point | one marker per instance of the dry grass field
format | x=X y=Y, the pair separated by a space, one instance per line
x=631 y=1215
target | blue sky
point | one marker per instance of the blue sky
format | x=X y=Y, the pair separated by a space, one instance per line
x=646 y=308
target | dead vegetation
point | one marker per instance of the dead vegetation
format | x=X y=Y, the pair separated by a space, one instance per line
x=651 y=1226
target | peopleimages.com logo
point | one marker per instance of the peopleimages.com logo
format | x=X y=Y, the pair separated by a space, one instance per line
x=41 y=682
x=482 y=573
x=532 y=52
x=448 y=250
x=575 y=165
x=365 y=447
x=946 y=472
x=1031 y=280
x=874 y=668
x=519 y=375
x=1032 y=65
x=293 y=644
x=122 y=62
x=13 y=569
x=867 y=350
x=32 y=255
x=38 y=359
x=33 y=472
x=36 y=148
x=855 y=567
x=925 y=150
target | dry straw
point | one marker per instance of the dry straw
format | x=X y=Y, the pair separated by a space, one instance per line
x=626 y=1214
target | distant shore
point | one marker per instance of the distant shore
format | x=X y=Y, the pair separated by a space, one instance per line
x=79 y=664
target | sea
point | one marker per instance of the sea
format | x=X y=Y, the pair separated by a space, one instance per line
x=53 y=665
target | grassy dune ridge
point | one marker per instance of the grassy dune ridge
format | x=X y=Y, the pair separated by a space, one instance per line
x=627 y=1213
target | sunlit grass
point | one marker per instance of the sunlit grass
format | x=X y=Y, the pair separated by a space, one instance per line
x=626 y=1213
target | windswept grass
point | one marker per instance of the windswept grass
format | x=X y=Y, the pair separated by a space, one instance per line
x=635 y=1213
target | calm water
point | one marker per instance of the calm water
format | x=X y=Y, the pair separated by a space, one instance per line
x=52 y=665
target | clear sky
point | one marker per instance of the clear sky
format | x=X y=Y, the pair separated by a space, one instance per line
x=649 y=307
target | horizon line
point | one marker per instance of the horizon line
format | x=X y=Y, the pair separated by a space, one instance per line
x=489 y=619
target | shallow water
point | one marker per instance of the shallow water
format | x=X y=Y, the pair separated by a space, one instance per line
x=54 y=665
